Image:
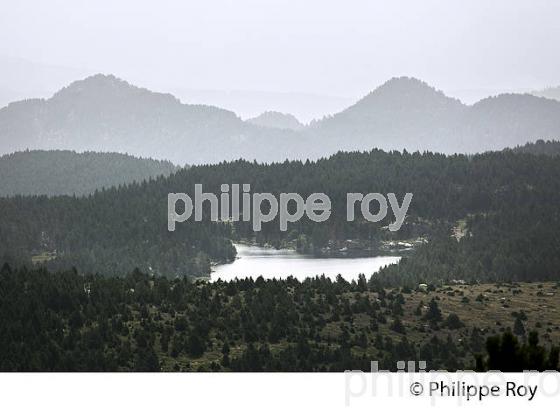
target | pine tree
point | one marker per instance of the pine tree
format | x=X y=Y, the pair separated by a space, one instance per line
x=518 y=327
x=433 y=315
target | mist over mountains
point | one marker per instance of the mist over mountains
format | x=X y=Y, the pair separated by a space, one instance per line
x=408 y=113
x=104 y=113
x=550 y=92
x=21 y=79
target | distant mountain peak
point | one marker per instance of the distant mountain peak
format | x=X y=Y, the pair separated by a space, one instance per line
x=98 y=80
x=404 y=80
x=410 y=97
x=97 y=83
x=406 y=86
x=101 y=80
x=100 y=77
x=518 y=101
x=275 y=119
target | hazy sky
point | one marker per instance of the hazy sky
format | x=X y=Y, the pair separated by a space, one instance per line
x=340 y=48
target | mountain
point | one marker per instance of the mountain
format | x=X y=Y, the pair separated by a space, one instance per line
x=69 y=173
x=552 y=93
x=274 y=119
x=402 y=113
x=509 y=120
x=104 y=113
x=540 y=147
x=406 y=113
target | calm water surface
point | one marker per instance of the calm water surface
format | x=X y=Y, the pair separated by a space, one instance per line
x=255 y=261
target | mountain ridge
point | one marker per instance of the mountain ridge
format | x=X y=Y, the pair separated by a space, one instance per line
x=66 y=172
x=105 y=113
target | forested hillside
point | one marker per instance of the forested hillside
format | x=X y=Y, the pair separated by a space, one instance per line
x=540 y=147
x=506 y=203
x=70 y=173
x=76 y=322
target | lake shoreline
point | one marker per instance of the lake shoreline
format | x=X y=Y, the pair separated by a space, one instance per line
x=346 y=248
x=266 y=261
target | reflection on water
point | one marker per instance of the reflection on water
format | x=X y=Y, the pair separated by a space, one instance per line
x=254 y=261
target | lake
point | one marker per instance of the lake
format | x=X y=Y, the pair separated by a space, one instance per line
x=255 y=261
